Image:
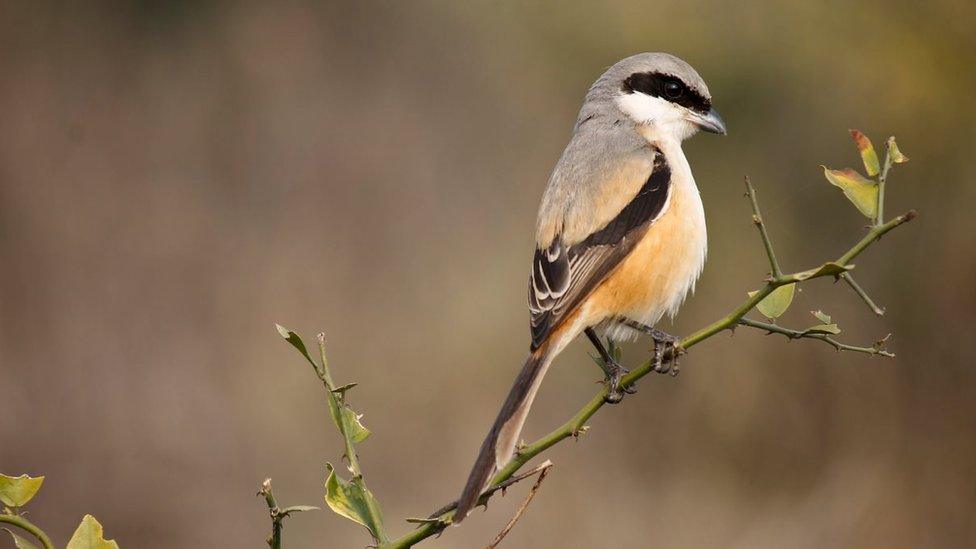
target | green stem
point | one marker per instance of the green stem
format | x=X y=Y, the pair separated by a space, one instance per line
x=801 y=334
x=275 y=540
x=882 y=180
x=28 y=526
x=337 y=403
x=761 y=225
x=862 y=294
x=417 y=535
x=874 y=234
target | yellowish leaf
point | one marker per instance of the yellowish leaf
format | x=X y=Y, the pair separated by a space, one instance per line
x=357 y=431
x=821 y=316
x=351 y=500
x=89 y=535
x=827 y=269
x=17 y=491
x=868 y=155
x=823 y=329
x=861 y=191
x=894 y=153
x=777 y=302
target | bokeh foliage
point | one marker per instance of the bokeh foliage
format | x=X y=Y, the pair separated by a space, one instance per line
x=173 y=179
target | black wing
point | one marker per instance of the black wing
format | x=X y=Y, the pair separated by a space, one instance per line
x=562 y=276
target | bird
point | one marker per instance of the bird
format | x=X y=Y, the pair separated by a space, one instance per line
x=620 y=238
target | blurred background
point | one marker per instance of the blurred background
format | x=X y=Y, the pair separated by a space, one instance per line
x=176 y=177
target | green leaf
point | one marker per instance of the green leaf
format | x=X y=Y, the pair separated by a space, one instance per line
x=21 y=543
x=351 y=500
x=296 y=341
x=827 y=269
x=777 y=302
x=89 y=535
x=357 y=431
x=17 y=491
x=823 y=329
x=862 y=192
x=894 y=154
x=821 y=316
x=868 y=156
x=353 y=421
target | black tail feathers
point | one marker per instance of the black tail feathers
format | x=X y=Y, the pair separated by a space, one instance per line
x=499 y=445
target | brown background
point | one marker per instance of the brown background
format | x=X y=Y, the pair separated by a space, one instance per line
x=177 y=177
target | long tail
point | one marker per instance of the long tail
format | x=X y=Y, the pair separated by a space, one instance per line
x=499 y=445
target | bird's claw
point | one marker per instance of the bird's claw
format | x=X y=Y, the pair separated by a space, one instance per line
x=666 y=342
x=615 y=373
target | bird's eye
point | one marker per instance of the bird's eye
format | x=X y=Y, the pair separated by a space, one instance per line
x=673 y=89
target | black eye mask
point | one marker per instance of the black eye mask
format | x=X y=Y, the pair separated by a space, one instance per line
x=667 y=87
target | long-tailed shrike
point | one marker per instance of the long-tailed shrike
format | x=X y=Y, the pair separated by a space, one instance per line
x=620 y=238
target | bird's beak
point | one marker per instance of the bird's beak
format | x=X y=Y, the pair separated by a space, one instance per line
x=710 y=122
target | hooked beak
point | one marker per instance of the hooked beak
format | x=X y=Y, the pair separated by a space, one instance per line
x=710 y=122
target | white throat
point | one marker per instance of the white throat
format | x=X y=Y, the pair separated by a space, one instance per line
x=665 y=120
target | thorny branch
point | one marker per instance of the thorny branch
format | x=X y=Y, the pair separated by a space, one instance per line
x=877 y=349
x=518 y=512
x=539 y=469
x=367 y=513
x=761 y=225
x=576 y=425
x=277 y=513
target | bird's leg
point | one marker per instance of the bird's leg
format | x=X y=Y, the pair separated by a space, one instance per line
x=662 y=341
x=611 y=368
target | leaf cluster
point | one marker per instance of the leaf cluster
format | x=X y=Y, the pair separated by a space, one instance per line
x=16 y=492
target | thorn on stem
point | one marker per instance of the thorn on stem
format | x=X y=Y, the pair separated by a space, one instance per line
x=520 y=447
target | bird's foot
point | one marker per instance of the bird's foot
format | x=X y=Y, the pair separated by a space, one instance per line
x=614 y=376
x=663 y=343
x=612 y=370
x=666 y=343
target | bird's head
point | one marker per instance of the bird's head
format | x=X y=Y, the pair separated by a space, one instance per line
x=660 y=93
